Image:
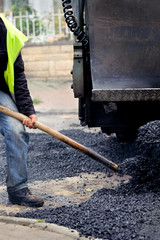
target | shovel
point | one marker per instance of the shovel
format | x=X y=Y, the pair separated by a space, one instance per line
x=62 y=138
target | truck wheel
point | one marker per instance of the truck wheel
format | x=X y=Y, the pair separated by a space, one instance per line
x=106 y=130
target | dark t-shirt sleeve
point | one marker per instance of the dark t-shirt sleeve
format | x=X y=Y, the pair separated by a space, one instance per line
x=22 y=94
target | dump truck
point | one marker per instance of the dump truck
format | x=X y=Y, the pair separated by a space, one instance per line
x=116 y=70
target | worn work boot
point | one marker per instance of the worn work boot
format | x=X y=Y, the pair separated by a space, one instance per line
x=24 y=197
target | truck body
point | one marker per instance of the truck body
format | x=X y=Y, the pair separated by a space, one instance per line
x=116 y=72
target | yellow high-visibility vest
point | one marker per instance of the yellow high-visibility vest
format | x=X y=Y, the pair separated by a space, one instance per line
x=15 y=42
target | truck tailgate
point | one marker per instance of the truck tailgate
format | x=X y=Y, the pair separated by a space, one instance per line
x=124 y=49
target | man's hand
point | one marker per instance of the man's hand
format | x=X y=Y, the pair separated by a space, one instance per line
x=30 y=123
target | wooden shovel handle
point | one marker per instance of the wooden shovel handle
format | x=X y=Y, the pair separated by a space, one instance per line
x=62 y=138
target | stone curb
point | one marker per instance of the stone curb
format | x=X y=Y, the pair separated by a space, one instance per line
x=44 y=226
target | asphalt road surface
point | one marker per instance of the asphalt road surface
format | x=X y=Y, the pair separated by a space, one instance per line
x=84 y=195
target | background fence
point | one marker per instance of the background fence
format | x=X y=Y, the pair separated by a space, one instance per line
x=41 y=29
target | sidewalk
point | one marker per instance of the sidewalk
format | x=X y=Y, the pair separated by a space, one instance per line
x=53 y=95
x=54 y=103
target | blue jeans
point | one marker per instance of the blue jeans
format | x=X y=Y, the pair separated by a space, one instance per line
x=16 y=140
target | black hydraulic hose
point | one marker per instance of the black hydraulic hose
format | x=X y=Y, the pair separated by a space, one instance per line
x=72 y=24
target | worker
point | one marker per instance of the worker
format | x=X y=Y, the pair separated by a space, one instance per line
x=14 y=94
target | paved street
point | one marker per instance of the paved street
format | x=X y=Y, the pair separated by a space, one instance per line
x=57 y=108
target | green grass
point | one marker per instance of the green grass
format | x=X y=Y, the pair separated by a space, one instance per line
x=51 y=86
x=36 y=101
x=41 y=220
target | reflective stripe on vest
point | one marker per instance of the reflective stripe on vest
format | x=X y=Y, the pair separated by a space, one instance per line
x=15 y=42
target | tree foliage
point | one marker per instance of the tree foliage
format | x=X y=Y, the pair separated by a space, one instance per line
x=20 y=6
x=57 y=4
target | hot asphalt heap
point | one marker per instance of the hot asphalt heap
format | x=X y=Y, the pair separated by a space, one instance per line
x=130 y=211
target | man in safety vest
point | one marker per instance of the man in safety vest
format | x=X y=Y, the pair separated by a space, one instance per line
x=14 y=94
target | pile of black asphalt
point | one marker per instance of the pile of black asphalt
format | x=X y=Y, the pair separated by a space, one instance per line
x=130 y=211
